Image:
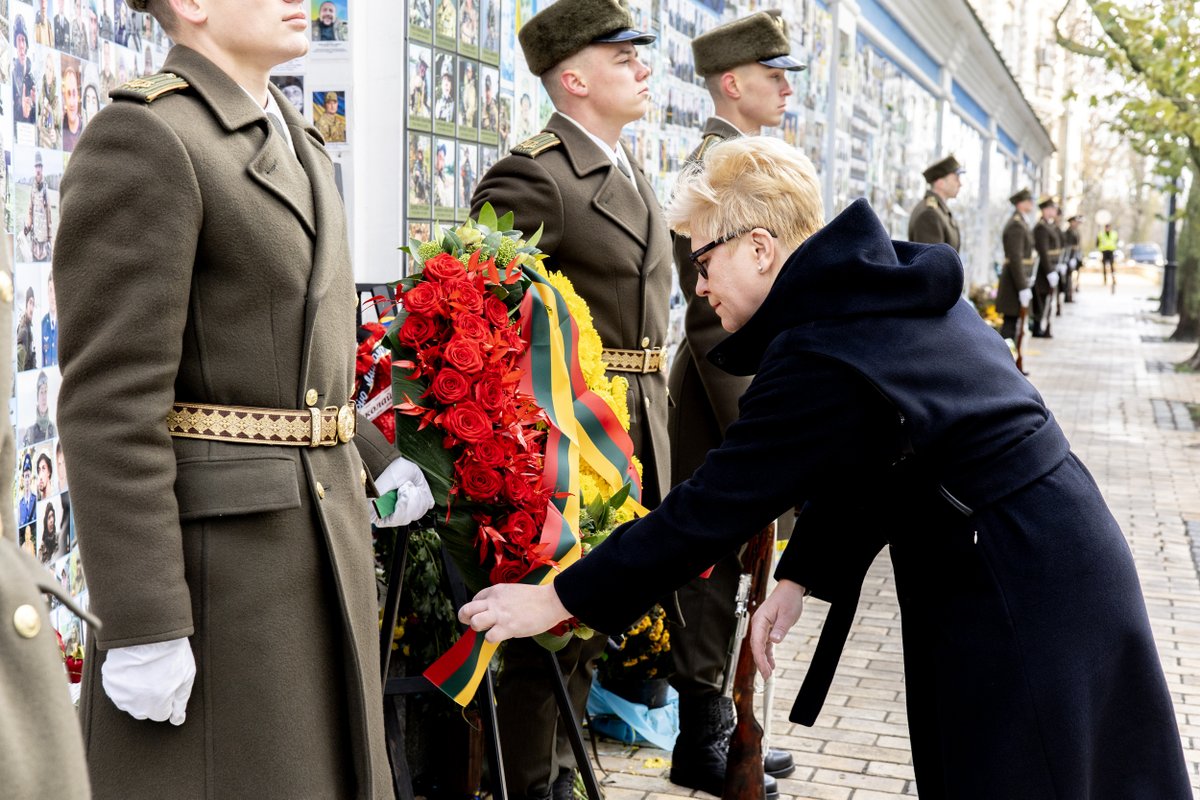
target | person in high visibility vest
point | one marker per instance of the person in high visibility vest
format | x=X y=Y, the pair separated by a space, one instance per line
x=1106 y=243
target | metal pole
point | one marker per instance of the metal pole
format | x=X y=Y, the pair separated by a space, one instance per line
x=1168 y=305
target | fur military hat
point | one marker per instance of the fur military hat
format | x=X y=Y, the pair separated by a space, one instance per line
x=1076 y=218
x=1047 y=200
x=568 y=26
x=137 y=5
x=761 y=37
x=1021 y=197
x=941 y=169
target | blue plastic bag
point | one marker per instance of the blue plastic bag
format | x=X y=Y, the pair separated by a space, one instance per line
x=634 y=723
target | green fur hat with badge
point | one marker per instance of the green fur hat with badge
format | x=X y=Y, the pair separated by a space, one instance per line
x=568 y=26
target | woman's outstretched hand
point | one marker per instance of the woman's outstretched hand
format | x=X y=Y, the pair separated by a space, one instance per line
x=513 y=610
x=771 y=622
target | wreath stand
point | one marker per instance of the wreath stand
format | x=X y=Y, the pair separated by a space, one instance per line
x=395 y=689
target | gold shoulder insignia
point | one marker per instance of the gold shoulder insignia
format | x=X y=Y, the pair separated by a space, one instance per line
x=537 y=144
x=931 y=202
x=709 y=141
x=149 y=88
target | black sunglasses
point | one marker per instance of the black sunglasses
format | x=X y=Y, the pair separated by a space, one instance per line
x=695 y=255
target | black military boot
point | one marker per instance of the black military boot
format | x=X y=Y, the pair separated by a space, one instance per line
x=778 y=763
x=563 y=787
x=700 y=754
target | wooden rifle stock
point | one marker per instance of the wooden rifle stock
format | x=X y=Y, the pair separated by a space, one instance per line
x=744 y=769
x=1022 y=322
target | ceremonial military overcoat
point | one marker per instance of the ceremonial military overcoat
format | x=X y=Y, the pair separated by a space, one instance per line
x=199 y=261
x=1047 y=240
x=1018 y=263
x=896 y=417
x=932 y=223
x=612 y=241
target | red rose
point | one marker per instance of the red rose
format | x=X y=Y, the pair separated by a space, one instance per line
x=496 y=312
x=467 y=422
x=425 y=299
x=450 y=386
x=417 y=330
x=463 y=295
x=520 y=529
x=489 y=453
x=472 y=326
x=444 y=267
x=518 y=489
x=489 y=393
x=508 y=572
x=479 y=483
x=463 y=355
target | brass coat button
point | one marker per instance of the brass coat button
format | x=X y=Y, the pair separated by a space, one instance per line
x=27 y=621
x=362 y=477
x=320 y=491
x=645 y=341
x=310 y=397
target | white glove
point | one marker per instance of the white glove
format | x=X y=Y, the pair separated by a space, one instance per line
x=151 y=681
x=1052 y=279
x=413 y=497
x=1025 y=296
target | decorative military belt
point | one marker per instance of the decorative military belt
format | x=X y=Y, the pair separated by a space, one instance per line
x=310 y=427
x=1027 y=261
x=644 y=361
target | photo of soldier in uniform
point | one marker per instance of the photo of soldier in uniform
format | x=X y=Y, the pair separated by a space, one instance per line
x=444 y=178
x=490 y=20
x=42 y=29
x=420 y=21
x=468 y=173
x=292 y=87
x=72 y=102
x=37 y=174
x=330 y=21
x=444 y=108
x=49 y=111
x=468 y=28
x=489 y=106
x=445 y=22
x=420 y=87
x=24 y=90
x=90 y=103
x=420 y=163
x=504 y=125
x=468 y=96
x=329 y=115
x=37 y=404
x=487 y=157
x=26 y=493
x=421 y=231
x=51 y=545
x=26 y=298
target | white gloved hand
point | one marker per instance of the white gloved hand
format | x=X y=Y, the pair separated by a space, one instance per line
x=151 y=681
x=1052 y=279
x=1025 y=295
x=413 y=497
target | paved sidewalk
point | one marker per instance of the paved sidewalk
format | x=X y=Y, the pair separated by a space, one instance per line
x=1106 y=375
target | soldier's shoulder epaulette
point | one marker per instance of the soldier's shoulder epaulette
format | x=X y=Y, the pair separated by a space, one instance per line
x=149 y=88
x=931 y=202
x=709 y=140
x=537 y=144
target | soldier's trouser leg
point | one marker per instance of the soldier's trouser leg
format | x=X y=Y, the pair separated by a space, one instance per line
x=699 y=650
x=1009 y=329
x=528 y=713
x=1036 y=308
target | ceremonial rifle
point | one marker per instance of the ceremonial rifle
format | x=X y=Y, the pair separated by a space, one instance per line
x=744 y=767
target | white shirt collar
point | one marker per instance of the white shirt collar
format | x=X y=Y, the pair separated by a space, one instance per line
x=617 y=156
x=272 y=107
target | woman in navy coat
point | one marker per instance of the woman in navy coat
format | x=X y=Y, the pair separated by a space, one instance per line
x=893 y=416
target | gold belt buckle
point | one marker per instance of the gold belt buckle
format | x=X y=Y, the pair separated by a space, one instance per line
x=646 y=353
x=347 y=423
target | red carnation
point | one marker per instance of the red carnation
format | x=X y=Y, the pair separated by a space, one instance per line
x=508 y=572
x=417 y=330
x=489 y=453
x=425 y=298
x=495 y=311
x=463 y=355
x=468 y=422
x=479 y=483
x=450 y=386
x=444 y=267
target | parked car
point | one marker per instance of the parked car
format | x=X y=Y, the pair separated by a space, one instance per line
x=1146 y=253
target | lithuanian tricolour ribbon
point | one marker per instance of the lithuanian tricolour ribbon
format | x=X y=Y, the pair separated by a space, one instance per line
x=581 y=427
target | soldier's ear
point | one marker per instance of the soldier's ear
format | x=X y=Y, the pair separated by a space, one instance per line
x=190 y=11
x=730 y=87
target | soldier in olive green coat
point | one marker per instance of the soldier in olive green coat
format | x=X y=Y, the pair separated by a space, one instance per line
x=203 y=259
x=744 y=66
x=931 y=221
x=605 y=231
x=41 y=754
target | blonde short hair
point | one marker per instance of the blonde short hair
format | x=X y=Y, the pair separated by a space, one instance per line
x=749 y=181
